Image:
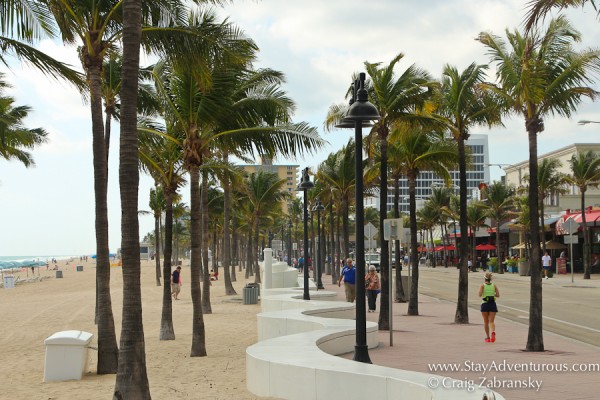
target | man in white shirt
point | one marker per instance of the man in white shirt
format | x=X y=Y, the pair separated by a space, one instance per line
x=546 y=263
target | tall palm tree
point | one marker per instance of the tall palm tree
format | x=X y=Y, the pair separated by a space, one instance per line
x=498 y=196
x=440 y=198
x=477 y=212
x=196 y=104
x=132 y=378
x=586 y=173
x=538 y=9
x=427 y=218
x=414 y=151
x=397 y=98
x=15 y=138
x=98 y=27
x=463 y=103
x=161 y=158
x=540 y=74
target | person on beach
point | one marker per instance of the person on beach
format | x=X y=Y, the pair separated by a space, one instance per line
x=546 y=263
x=348 y=274
x=372 y=286
x=176 y=283
x=488 y=293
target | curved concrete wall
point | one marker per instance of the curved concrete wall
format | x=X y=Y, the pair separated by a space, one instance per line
x=295 y=357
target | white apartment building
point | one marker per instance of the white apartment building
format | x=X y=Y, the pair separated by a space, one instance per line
x=478 y=171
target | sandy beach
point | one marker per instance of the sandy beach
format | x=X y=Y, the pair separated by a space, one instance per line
x=33 y=311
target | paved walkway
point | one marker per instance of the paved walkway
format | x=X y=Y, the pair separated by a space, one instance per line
x=432 y=337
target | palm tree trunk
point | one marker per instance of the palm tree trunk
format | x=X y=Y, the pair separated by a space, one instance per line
x=167 y=331
x=462 y=307
x=132 y=379
x=535 y=337
x=206 y=307
x=400 y=296
x=107 y=341
x=255 y=264
x=198 y=329
x=384 y=303
x=249 y=251
x=157 y=248
x=234 y=249
x=413 y=302
x=334 y=275
x=345 y=228
x=433 y=260
x=498 y=248
x=587 y=249
x=229 y=290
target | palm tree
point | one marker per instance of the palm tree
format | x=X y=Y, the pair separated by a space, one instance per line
x=15 y=138
x=498 y=197
x=477 y=212
x=540 y=75
x=197 y=104
x=414 y=151
x=550 y=181
x=463 y=104
x=397 y=98
x=538 y=9
x=427 y=218
x=586 y=173
x=264 y=193
x=161 y=158
x=338 y=172
x=132 y=379
x=440 y=198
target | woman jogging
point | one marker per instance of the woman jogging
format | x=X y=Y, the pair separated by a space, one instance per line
x=488 y=293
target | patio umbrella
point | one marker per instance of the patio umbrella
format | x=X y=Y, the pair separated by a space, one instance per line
x=485 y=247
x=552 y=245
x=449 y=248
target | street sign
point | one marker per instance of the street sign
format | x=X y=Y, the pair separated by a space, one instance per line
x=571 y=239
x=570 y=226
x=392 y=228
x=370 y=231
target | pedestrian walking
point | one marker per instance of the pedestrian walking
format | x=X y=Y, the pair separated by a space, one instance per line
x=176 y=283
x=372 y=287
x=488 y=293
x=546 y=263
x=348 y=274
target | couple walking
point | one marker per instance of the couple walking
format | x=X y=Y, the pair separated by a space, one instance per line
x=372 y=286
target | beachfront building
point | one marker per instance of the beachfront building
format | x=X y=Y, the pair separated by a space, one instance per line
x=478 y=171
x=287 y=171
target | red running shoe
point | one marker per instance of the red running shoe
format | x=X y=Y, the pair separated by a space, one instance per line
x=493 y=337
x=487 y=340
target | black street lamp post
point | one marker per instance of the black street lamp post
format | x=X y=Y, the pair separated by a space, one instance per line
x=318 y=208
x=289 y=243
x=360 y=112
x=304 y=185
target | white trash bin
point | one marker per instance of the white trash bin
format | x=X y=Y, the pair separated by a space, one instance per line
x=66 y=355
x=9 y=282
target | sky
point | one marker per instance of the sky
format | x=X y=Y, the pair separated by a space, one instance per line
x=318 y=45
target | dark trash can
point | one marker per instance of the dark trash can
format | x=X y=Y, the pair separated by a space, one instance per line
x=250 y=293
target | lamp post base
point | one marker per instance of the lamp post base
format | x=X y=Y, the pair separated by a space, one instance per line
x=361 y=354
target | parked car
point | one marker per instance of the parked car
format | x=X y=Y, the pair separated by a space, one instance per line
x=372 y=259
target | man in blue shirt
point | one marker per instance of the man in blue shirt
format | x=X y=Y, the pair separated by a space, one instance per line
x=348 y=274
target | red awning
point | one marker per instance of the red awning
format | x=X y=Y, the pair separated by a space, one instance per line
x=592 y=218
x=441 y=248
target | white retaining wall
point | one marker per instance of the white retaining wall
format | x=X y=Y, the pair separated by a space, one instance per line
x=299 y=340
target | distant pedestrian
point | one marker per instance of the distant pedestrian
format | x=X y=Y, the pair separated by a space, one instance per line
x=488 y=293
x=372 y=287
x=348 y=274
x=301 y=264
x=176 y=283
x=546 y=263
